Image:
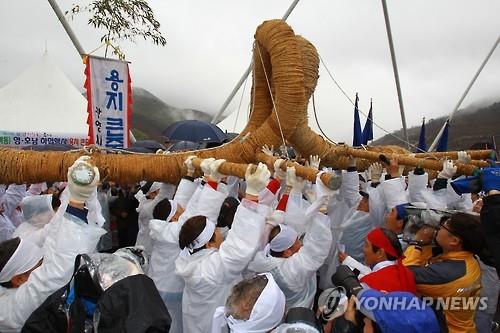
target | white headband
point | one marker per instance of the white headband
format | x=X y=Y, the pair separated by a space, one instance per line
x=155 y=186
x=284 y=239
x=267 y=312
x=173 y=210
x=26 y=256
x=204 y=237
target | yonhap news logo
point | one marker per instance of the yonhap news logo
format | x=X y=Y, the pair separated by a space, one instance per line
x=402 y=303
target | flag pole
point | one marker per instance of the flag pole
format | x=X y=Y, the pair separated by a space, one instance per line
x=357 y=137
x=248 y=70
x=396 y=75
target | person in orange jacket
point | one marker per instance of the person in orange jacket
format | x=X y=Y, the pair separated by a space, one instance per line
x=453 y=278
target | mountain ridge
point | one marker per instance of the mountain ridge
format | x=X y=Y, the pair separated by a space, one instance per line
x=151 y=115
x=466 y=129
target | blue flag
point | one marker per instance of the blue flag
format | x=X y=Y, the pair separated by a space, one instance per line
x=357 y=139
x=443 y=141
x=368 y=129
x=422 y=146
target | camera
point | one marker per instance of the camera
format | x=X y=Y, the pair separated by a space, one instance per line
x=300 y=320
x=346 y=278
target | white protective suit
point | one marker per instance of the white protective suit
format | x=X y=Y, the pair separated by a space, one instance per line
x=145 y=209
x=209 y=274
x=349 y=226
x=6 y=226
x=165 y=236
x=441 y=199
x=296 y=275
x=36 y=189
x=12 y=200
x=10 y=217
x=67 y=237
x=394 y=192
x=417 y=184
x=37 y=213
x=106 y=241
x=455 y=201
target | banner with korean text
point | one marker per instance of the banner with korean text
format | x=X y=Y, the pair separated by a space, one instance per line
x=23 y=139
x=109 y=96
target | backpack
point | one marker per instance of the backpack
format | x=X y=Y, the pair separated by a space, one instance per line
x=131 y=304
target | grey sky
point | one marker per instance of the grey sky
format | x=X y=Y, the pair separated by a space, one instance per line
x=439 y=46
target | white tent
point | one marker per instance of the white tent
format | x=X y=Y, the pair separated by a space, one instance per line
x=43 y=100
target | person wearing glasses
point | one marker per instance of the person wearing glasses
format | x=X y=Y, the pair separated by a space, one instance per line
x=453 y=278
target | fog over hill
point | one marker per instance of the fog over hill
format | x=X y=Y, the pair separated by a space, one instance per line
x=151 y=115
x=475 y=123
x=468 y=126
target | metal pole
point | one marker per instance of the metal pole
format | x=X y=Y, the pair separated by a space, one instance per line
x=66 y=27
x=75 y=41
x=395 y=69
x=438 y=136
x=249 y=69
x=290 y=10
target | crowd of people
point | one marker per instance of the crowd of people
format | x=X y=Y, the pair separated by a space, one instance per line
x=384 y=250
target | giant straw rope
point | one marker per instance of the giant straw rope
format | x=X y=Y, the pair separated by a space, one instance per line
x=285 y=63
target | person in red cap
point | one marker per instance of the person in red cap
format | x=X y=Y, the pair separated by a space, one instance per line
x=383 y=256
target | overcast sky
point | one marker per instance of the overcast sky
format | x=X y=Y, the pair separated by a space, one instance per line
x=439 y=46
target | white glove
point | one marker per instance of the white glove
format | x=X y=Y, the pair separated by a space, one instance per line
x=448 y=171
x=296 y=183
x=320 y=205
x=463 y=157
x=214 y=170
x=368 y=174
x=258 y=180
x=269 y=151
x=276 y=217
x=189 y=164
x=278 y=173
x=375 y=171
x=205 y=165
x=310 y=195
x=83 y=177
x=314 y=161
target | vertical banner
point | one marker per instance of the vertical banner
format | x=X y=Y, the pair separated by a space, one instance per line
x=109 y=96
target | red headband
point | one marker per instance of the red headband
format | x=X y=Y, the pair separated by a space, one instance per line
x=380 y=240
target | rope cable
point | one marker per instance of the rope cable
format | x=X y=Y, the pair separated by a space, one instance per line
x=91 y=148
x=96 y=49
x=239 y=106
x=317 y=122
x=373 y=122
x=254 y=88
